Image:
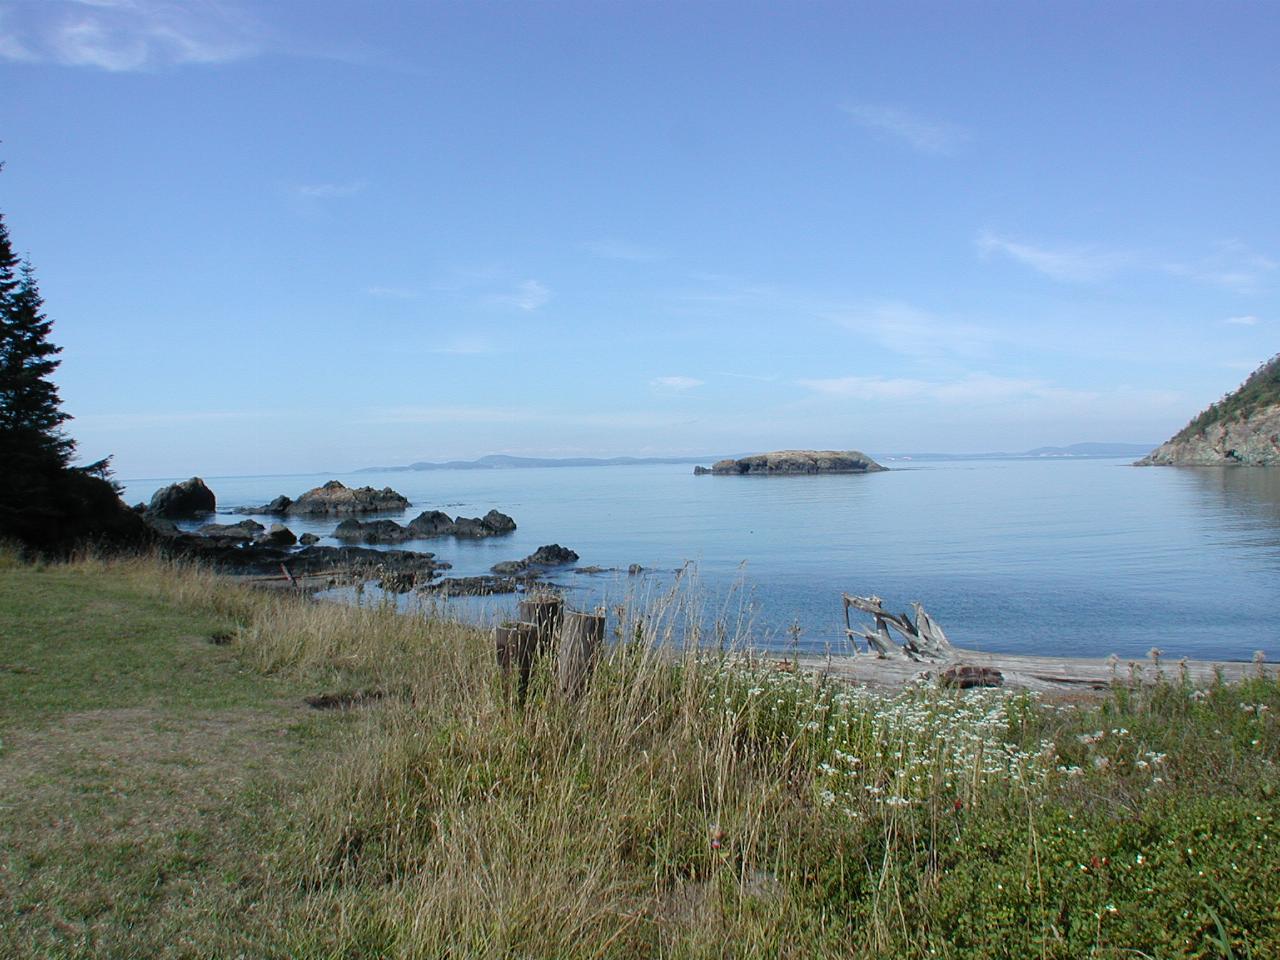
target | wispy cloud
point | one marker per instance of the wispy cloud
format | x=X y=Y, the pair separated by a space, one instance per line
x=759 y=378
x=514 y=415
x=128 y=35
x=926 y=136
x=1232 y=266
x=392 y=293
x=1246 y=321
x=1069 y=264
x=621 y=250
x=329 y=191
x=172 y=418
x=974 y=388
x=912 y=332
x=465 y=346
x=528 y=295
x=676 y=384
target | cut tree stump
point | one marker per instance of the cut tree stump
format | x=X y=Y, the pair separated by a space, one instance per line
x=581 y=638
x=516 y=645
x=544 y=611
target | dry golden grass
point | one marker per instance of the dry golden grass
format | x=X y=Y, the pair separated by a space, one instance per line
x=696 y=804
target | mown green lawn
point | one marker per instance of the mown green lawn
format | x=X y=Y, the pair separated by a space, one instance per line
x=143 y=773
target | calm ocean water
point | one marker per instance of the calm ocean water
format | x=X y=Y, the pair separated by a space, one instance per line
x=1071 y=557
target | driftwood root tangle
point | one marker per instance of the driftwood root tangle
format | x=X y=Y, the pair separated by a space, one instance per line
x=922 y=639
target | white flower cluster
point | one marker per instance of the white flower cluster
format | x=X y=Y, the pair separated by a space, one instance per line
x=918 y=745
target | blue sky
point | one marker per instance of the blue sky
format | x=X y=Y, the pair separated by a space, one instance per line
x=317 y=236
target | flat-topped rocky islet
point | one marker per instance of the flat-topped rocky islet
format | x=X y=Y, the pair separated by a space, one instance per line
x=790 y=462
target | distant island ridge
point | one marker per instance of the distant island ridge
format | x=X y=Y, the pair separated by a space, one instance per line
x=506 y=462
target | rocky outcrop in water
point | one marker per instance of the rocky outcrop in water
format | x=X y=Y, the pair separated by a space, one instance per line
x=336 y=499
x=190 y=498
x=371 y=531
x=1251 y=441
x=433 y=523
x=549 y=555
x=278 y=535
x=430 y=523
x=786 y=462
x=485 y=585
x=1241 y=428
x=277 y=507
x=241 y=532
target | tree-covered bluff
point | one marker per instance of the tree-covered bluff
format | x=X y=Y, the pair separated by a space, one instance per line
x=1243 y=427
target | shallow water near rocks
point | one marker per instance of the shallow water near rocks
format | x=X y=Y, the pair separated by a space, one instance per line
x=1066 y=557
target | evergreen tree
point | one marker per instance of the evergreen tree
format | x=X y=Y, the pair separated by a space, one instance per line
x=30 y=412
x=45 y=503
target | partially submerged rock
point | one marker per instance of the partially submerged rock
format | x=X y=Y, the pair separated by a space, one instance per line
x=550 y=555
x=190 y=498
x=278 y=536
x=307 y=539
x=277 y=507
x=482 y=586
x=241 y=532
x=782 y=462
x=371 y=531
x=434 y=523
x=430 y=523
x=336 y=499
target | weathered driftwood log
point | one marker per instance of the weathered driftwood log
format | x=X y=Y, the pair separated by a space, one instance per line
x=922 y=639
x=544 y=611
x=581 y=638
x=516 y=645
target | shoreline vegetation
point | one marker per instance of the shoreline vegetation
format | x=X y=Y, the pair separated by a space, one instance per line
x=174 y=787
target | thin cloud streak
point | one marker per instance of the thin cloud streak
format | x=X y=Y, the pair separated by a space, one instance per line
x=675 y=383
x=516 y=415
x=975 y=388
x=528 y=296
x=1068 y=264
x=1248 y=321
x=622 y=251
x=129 y=35
x=925 y=136
x=1232 y=266
x=392 y=293
x=465 y=348
x=911 y=332
x=329 y=191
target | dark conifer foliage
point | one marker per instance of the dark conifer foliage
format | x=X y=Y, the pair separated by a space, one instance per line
x=30 y=409
x=45 y=503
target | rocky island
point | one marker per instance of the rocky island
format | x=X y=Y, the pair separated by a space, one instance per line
x=782 y=462
x=1241 y=428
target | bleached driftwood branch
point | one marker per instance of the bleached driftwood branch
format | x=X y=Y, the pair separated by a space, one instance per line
x=922 y=639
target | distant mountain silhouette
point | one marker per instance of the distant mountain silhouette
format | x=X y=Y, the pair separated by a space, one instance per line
x=501 y=461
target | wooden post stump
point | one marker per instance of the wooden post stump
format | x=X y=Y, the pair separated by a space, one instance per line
x=580 y=641
x=544 y=612
x=516 y=644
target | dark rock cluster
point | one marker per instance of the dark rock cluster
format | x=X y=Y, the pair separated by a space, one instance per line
x=430 y=523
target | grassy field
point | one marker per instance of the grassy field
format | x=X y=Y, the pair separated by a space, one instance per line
x=166 y=791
